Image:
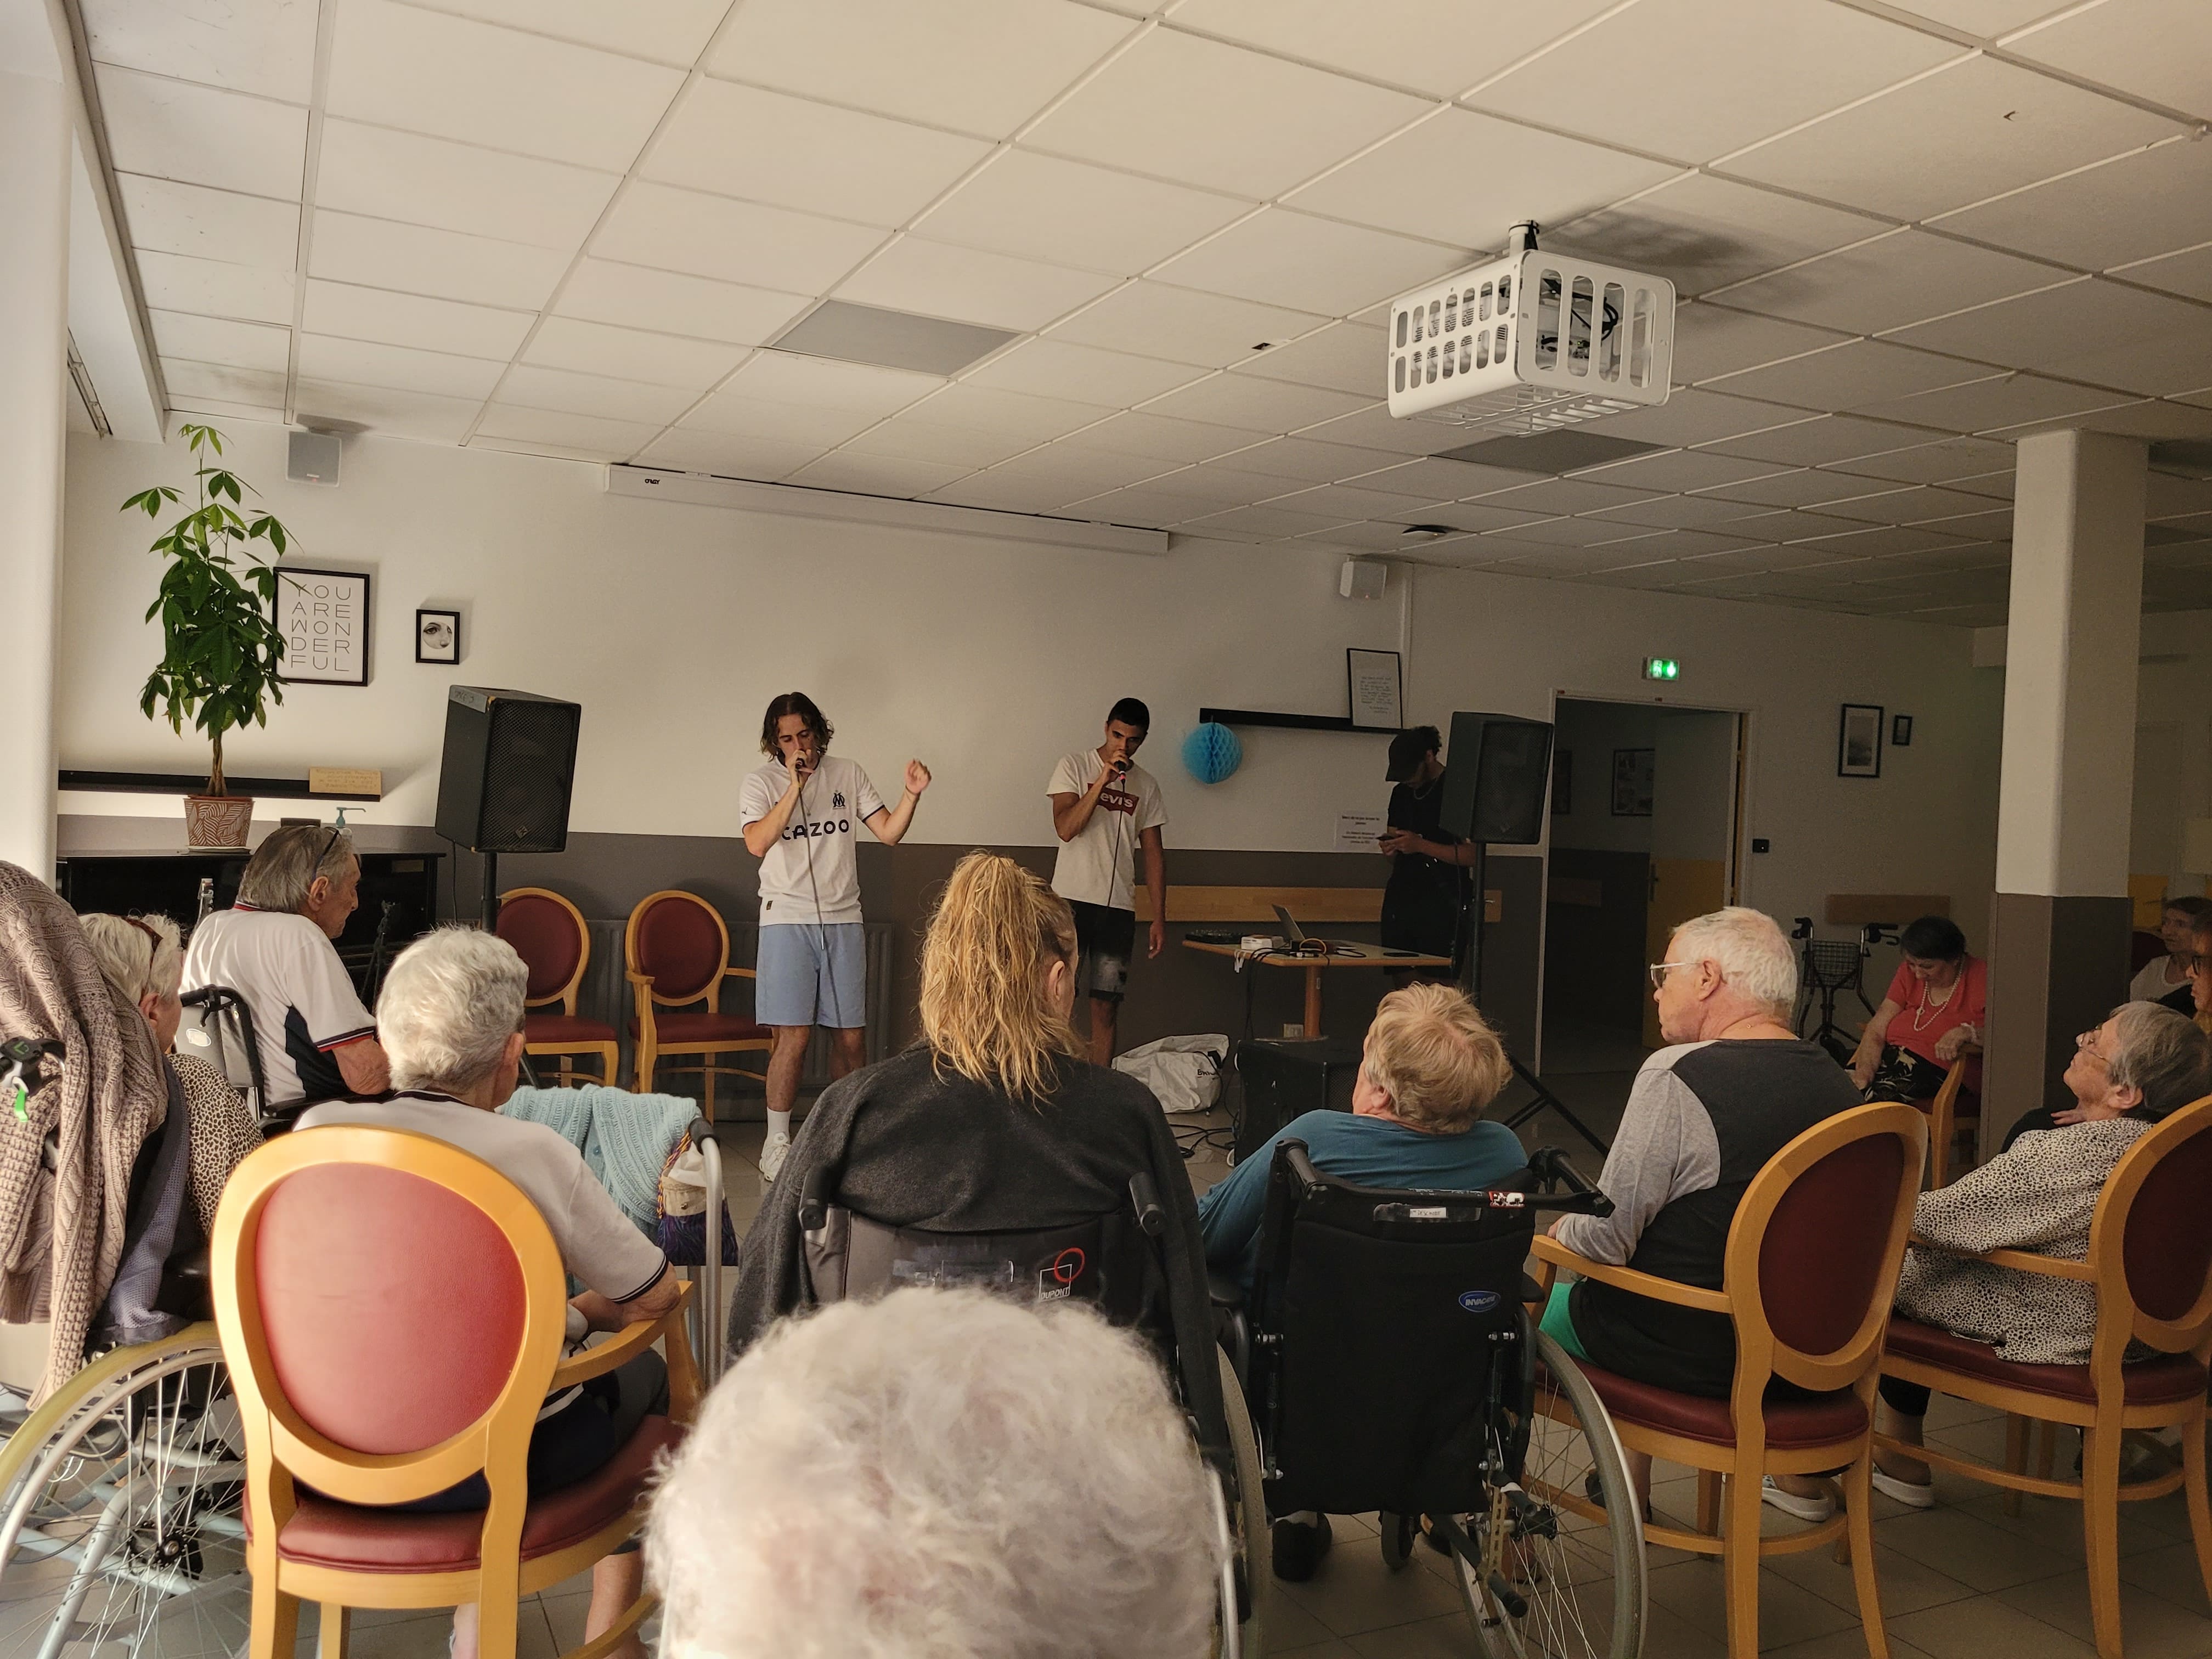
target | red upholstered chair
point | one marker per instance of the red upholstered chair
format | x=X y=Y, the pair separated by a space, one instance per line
x=677 y=950
x=1811 y=1270
x=392 y=1312
x=548 y=933
x=2150 y=1258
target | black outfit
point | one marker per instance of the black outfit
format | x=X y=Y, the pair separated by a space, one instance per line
x=1421 y=905
x=915 y=1147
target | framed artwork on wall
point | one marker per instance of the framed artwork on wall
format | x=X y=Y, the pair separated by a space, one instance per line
x=1375 y=689
x=1900 y=731
x=1859 y=741
x=1633 y=770
x=324 y=618
x=437 y=636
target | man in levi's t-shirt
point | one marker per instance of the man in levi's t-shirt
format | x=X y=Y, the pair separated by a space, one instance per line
x=1104 y=806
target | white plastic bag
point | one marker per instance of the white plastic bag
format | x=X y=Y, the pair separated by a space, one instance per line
x=1183 y=1072
x=683 y=1184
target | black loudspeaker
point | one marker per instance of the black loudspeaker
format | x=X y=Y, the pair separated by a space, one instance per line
x=1494 y=786
x=1283 y=1079
x=510 y=759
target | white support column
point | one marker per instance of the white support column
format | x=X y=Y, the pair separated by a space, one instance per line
x=34 y=192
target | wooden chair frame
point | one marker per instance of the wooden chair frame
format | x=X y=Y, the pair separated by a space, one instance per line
x=650 y=1049
x=2103 y=1421
x=1760 y=1354
x=1944 y=1123
x=609 y=1053
x=283 y=1450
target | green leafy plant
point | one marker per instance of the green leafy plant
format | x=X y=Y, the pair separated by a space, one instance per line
x=221 y=648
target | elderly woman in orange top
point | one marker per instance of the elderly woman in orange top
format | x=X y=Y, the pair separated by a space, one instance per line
x=1932 y=1014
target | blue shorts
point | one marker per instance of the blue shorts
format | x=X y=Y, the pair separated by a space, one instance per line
x=813 y=973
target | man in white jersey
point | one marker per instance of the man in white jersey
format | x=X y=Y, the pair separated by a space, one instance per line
x=1104 y=806
x=797 y=813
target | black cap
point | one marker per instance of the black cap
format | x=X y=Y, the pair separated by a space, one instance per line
x=1408 y=750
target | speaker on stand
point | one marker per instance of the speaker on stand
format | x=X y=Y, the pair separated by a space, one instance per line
x=1495 y=788
x=504 y=781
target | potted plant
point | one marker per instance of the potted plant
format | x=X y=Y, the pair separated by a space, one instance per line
x=221 y=648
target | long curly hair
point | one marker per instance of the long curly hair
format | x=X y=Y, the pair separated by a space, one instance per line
x=798 y=703
x=985 y=1012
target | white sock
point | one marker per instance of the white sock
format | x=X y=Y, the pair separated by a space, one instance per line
x=779 y=1124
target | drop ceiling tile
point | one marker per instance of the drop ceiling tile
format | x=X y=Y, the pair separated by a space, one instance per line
x=1052 y=367
x=728 y=455
x=2133 y=208
x=602 y=291
x=1153 y=320
x=1434 y=477
x=1044 y=497
x=1370 y=40
x=1567 y=495
x=1695 y=415
x=1826 y=439
x=1711 y=341
x=218 y=340
x=410 y=319
x=433 y=181
x=1800 y=487
x=260 y=388
x=1996 y=127
x=1678 y=512
x=453 y=78
x=730 y=414
x=1349 y=503
x=553 y=432
x=980 y=66
x=1702 y=232
x=1782 y=528
x=1343 y=357
x=1060 y=475
x=630 y=354
x=1915 y=504
x=793 y=152
x=445 y=265
x=1272 y=521
x=2156 y=49
x=1679 y=468
x=1280 y=258
x=877 y=475
x=1217 y=484
x=2169 y=497
x=2150 y=419
x=1372 y=427
x=171 y=129
x=1139 y=504
x=1387 y=538
x=905 y=438
x=1308 y=461
x=2188 y=272
x=1994 y=522
x=1465 y=179
x=327 y=359
x=2005 y=400
x=2059 y=326
x=1069 y=213
x=1997 y=486
x=1008 y=414
x=212 y=288
x=388 y=412
x=1851 y=375
x=1146 y=433
x=1881 y=540
x=825 y=383
x=266 y=47
x=209 y=224
x=1949 y=461
x=2177 y=363
x=1901 y=278
x=602 y=397
x=971 y=285
x=701 y=235
x=1200 y=113
x=1685 y=545
x=667 y=32
x=1628 y=80
x=1257 y=405
x=1556 y=563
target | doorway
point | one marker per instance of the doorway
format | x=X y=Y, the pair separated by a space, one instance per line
x=1645 y=810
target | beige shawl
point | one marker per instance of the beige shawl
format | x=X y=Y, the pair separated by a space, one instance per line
x=62 y=1232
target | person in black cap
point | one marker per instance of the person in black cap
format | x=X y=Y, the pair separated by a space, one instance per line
x=1428 y=883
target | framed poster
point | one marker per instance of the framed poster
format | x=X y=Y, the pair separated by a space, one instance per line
x=324 y=618
x=1377 y=687
x=1859 y=741
x=1633 y=772
x=1563 y=783
x=437 y=636
x=1900 y=731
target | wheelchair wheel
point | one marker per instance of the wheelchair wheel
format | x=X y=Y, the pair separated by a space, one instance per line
x=1579 y=1581
x=1399 y=1532
x=120 y=1498
x=1249 y=1526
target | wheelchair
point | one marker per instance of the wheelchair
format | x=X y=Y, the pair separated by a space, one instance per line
x=218 y=1027
x=121 y=1529
x=1393 y=1363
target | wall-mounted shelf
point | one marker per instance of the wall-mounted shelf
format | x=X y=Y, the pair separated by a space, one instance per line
x=1292 y=722
x=192 y=783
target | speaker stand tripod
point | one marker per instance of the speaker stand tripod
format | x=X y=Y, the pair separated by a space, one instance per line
x=1472 y=908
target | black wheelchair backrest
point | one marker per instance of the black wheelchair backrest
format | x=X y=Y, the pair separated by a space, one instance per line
x=218 y=1027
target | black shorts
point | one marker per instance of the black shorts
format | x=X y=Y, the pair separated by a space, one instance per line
x=1105 y=938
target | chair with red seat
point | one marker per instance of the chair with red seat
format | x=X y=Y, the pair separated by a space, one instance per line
x=677 y=952
x=548 y=933
x=392 y=1312
x=2150 y=1259
x=1811 y=1269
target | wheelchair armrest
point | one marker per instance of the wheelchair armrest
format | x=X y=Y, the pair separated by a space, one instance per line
x=1224 y=1289
x=1549 y=1250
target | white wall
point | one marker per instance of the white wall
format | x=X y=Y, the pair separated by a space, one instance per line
x=673 y=625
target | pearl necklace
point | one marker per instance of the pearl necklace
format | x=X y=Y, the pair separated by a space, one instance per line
x=1929 y=1007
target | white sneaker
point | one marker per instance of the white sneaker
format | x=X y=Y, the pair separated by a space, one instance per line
x=1913 y=1494
x=777 y=1148
x=1805 y=1509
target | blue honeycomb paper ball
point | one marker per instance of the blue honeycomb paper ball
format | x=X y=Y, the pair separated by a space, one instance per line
x=1211 y=752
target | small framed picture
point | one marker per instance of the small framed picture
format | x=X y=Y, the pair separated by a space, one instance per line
x=1376 y=688
x=1900 y=731
x=437 y=636
x=1634 y=771
x=1859 y=741
x=324 y=618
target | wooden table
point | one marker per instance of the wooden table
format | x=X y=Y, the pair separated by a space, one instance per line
x=1353 y=956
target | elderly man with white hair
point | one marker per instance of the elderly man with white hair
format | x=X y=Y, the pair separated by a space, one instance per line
x=451 y=1014
x=938 y=1474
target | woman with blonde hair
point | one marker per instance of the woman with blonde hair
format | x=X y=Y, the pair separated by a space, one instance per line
x=993 y=1122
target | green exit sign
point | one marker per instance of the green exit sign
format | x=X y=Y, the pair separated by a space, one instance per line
x=1661 y=668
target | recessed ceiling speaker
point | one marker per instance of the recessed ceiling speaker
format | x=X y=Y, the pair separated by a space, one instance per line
x=1494 y=783
x=1363 y=579
x=313 y=458
x=1531 y=342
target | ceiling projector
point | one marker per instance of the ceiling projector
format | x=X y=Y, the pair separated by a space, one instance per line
x=1531 y=342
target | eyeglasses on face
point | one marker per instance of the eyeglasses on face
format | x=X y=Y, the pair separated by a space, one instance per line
x=1658 y=971
x=2087 y=1043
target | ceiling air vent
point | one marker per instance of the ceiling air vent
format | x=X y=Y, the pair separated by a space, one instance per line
x=889 y=339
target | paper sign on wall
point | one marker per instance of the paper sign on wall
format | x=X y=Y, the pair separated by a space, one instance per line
x=1358 y=832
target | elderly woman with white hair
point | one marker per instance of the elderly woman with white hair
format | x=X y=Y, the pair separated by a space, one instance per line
x=452 y=1014
x=938 y=1474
